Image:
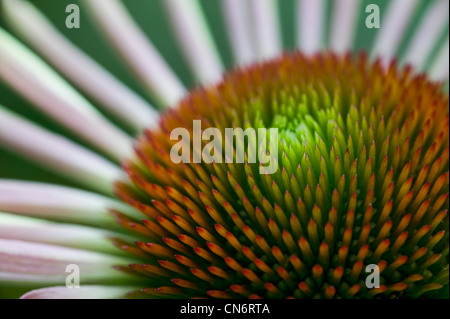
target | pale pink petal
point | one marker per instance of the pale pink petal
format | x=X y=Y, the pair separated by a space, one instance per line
x=23 y=228
x=89 y=75
x=34 y=263
x=60 y=203
x=196 y=41
x=84 y=292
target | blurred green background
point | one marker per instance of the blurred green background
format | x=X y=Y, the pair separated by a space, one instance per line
x=151 y=17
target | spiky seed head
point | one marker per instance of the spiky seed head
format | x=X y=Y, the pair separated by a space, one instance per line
x=362 y=179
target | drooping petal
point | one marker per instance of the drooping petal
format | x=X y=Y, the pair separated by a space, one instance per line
x=195 y=39
x=35 y=28
x=343 y=25
x=139 y=53
x=239 y=30
x=59 y=203
x=395 y=23
x=22 y=228
x=41 y=85
x=267 y=29
x=84 y=292
x=56 y=152
x=428 y=32
x=310 y=25
x=43 y=264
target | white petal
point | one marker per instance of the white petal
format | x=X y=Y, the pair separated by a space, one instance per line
x=428 y=32
x=37 y=82
x=343 y=25
x=310 y=21
x=440 y=67
x=193 y=34
x=28 y=263
x=137 y=50
x=56 y=153
x=59 y=203
x=84 y=292
x=267 y=30
x=393 y=27
x=240 y=32
x=40 y=231
x=26 y=20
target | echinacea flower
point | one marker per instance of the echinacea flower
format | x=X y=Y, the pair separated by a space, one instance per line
x=362 y=156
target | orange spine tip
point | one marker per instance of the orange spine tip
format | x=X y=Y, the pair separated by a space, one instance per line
x=254 y=296
x=219 y=272
x=215 y=215
x=261 y=242
x=205 y=255
x=206 y=235
x=177 y=209
x=185 y=283
x=278 y=254
x=337 y=275
x=186 y=261
x=217 y=250
x=329 y=234
x=295 y=226
x=305 y=249
x=398 y=263
x=303 y=286
x=297 y=264
x=418 y=235
x=168 y=291
x=381 y=249
x=281 y=216
x=162 y=208
x=239 y=289
x=174 y=244
x=324 y=254
x=342 y=255
x=275 y=231
x=218 y=294
x=347 y=238
x=402 y=225
x=313 y=234
x=330 y=292
x=317 y=271
x=250 y=275
x=289 y=241
x=188 y=240
x=263 y=266
x=376 y=291
x=202 y=275
x=168 y=225
x=353 y=290
x=283 y=273
x=199 y=219
x=271 y=288
x=384 y=231
x=398 y=286
x=249 y=233
x=233 y=241
x=155 y=249
x=248 y=253
x=356 y=270
x=233 y=264
x=183 y=224
x=172 y=267
x=365 y=231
